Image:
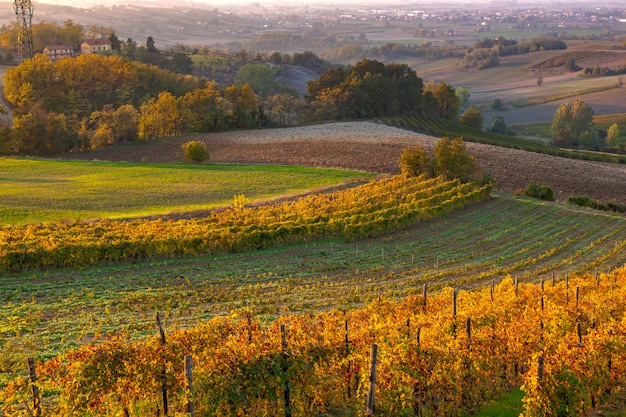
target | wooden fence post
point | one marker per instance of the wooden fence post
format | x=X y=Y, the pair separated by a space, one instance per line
x=372 y=389
x=349 y=370
x=418 y=337
x=249 y=322
x=189 y=378
x=540 y=368
x=454 y=296
x=163 y=371
x=286 y=391
x=424 y=289
x=516 y=287
x=34 y=388
x=579 y=333
x=492 y=289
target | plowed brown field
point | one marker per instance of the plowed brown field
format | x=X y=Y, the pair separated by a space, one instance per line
x=373 y=147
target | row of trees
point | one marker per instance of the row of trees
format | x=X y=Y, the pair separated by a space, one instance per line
x=573 y=127
x=95 y=100
x=487 y=53
x=371 y=89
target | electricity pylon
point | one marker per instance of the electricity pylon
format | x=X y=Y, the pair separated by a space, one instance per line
x=24 y=13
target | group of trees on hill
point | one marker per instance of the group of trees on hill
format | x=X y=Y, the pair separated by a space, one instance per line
x=487 y=53
x=72 y=34
x=573 y=127
x=371 y=89
x=94 y=100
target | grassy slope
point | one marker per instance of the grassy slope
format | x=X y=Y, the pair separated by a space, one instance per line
x=55 y=310
x=44 y=190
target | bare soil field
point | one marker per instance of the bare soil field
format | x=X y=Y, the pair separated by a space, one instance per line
x=376 y=148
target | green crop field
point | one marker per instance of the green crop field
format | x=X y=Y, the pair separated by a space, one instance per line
x=50 y=311
x=35 y=190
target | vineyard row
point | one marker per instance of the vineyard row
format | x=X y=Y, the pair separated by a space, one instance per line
x=562 y=340
x=369 y=210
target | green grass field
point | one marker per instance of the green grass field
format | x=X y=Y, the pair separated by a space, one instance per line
x=35 y=190
x=47 y=312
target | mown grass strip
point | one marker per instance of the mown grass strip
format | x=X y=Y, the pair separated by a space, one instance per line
x=37 y=190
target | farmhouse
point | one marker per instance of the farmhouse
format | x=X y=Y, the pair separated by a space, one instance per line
x=92 y=46
x=56 y=52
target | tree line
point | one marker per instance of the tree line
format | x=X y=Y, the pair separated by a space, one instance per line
x=95 y=100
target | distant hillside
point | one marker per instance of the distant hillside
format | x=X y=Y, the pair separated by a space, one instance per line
x=296 y=77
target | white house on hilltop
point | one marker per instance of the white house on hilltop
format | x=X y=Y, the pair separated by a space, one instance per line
x=56 y=52
x=92 y=46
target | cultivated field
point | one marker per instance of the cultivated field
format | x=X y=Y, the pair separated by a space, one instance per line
x=376 y=148
x=37 y=190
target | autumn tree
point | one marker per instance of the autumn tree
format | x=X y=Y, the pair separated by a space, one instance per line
x=408 y=86
x=572 y=126
x=283 y=109
x=46 y=33
x=110 y=126
x=41 y=133
x=160 y=117
x=464 y=95
x=453 y=160
x=368 y=89
x=444 y=100
x=242 y=106
x=260 y=77
x=203 y=109
x=613 y=138
x=413 y=162
x=472 y=117
x=498 y=125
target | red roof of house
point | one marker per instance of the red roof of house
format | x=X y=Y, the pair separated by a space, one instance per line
x=103 y=41
x=57 y=47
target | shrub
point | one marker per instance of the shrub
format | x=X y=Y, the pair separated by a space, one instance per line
x=453 y=160
x=195 y=151
x=414 y=161
x=584 y=201
x=541 y=192
x=473 y=117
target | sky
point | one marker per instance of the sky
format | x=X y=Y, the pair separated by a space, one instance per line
x=217 y=3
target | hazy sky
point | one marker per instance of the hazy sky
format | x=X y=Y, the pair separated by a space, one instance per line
x=405 y=3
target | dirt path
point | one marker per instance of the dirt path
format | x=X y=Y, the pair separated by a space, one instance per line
x=373 y=147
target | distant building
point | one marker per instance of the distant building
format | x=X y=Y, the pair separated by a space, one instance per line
x=56 y=52
x=93 y=46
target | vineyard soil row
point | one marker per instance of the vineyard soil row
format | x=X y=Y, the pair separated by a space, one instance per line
x=47 y=312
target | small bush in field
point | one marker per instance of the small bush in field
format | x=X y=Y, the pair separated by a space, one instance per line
x=195 y=151
x=542 y=192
